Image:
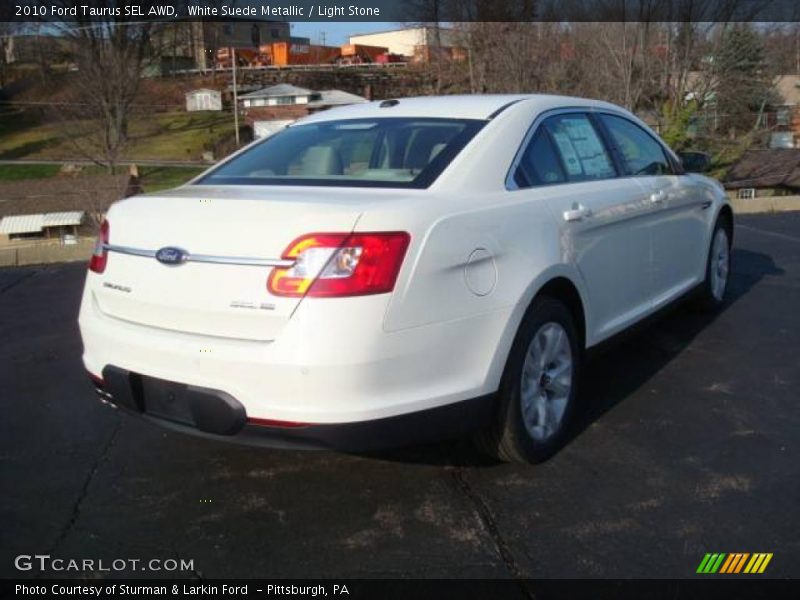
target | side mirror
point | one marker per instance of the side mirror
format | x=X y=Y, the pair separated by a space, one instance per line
x=695 y=162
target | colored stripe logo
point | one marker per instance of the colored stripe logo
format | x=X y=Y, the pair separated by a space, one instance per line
x=734 y=563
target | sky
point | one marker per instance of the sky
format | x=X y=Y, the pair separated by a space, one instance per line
x=337 y=33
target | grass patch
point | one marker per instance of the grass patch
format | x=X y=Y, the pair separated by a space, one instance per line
x=159 y=136
x=17 y=172
x=155 y=179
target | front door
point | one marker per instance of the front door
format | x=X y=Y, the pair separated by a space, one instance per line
x=678 y=225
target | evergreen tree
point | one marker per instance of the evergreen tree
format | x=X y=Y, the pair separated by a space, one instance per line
x=743 y=82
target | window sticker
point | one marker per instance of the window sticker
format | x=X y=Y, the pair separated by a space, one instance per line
x=568 y=153
x=589 y=148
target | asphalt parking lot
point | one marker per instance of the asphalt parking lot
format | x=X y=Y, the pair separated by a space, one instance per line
x=690 y=444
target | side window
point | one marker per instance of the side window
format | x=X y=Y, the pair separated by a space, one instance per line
x=539 y=164
x=639 y=151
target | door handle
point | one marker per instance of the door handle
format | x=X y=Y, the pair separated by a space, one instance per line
x=658 y=197
x=578 y=212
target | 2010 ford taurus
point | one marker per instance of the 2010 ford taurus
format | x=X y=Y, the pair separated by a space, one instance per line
x=399 y=271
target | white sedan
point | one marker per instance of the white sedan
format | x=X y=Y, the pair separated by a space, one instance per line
x=399 y=271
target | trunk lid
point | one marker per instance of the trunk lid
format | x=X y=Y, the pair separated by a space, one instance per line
x=224 y=300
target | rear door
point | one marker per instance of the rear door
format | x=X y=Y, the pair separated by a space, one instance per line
x=603 y=218
x=678 y=225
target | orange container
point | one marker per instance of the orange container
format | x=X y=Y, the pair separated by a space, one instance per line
x=370 y=53
x=287 y=53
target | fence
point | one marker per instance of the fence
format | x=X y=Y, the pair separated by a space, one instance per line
x=45 y=252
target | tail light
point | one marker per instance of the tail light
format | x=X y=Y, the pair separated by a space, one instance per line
x=97 y=262
x=340 y=264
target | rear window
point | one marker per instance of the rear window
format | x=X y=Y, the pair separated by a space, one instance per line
x=391 y=152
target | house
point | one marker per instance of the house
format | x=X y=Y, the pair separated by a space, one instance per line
x=783 y=118
x=419 y=44
x=203 y=99
x=282 y=94
x=272 y=108
x=765 y=172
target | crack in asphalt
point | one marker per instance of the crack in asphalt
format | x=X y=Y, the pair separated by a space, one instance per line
x=197 y=574
x=486 y=517
x=76 y=507
x=16 y=282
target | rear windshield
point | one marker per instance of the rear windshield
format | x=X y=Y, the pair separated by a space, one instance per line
x=390 y=152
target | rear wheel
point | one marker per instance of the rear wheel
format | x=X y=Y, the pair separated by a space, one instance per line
x=715 y=286
x=537 y=394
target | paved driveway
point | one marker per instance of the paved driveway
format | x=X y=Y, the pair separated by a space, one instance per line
x=690 y=445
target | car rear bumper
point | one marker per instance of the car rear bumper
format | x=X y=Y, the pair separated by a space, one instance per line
x=332 y=364
x=217 y=415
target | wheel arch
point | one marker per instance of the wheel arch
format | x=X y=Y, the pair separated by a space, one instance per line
x=562 y=283
x=726 y=214
x=563 y=289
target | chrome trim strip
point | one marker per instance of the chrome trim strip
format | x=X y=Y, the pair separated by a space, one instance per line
x=206 y=258
x=240 y=260
x=129 y=250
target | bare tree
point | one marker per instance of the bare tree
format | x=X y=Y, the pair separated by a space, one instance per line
x=110 y=54
x=7 y=53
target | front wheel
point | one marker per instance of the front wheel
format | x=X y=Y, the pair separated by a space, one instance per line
x=718 y=268
x=537 y=395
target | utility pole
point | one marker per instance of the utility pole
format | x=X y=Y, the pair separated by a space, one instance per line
x=235 y=96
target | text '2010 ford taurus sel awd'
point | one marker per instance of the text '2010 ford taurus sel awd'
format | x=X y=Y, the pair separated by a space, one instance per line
x=399 y=271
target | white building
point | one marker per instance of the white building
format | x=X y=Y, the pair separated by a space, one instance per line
x=55 y=224
x=273 y=108
x=412 y=42
x=283 y=94
x=203 y=99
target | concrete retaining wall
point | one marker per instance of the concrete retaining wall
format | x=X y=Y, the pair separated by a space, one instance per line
x=766 y=204
x=45 y=252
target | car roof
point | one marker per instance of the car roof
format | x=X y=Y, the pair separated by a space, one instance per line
x=477 y=106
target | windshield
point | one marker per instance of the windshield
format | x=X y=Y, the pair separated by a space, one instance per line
x=389 y=152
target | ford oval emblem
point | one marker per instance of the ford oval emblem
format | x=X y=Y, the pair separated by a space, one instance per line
x=172 y=256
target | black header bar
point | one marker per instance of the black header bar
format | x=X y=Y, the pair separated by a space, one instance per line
x=403 y=11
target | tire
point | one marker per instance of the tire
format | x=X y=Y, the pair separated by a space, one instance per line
x=534 y=406
x=712 y=292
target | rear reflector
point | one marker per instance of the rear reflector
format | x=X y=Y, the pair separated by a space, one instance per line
x=98 y=381
x=97 y=263
x=274 y=423
x=335 y=265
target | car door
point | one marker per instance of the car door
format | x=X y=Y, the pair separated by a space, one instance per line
x=566 y=164
x=678 y=225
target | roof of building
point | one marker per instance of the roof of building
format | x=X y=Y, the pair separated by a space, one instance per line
x=21 y=224
x=281 y=89
x=202 y=91
x=337 y=98
x=63 y=194
x=765 y=168
x=63 y=219
x=17 y=224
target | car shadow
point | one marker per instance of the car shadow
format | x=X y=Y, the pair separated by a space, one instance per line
x=618 y=367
